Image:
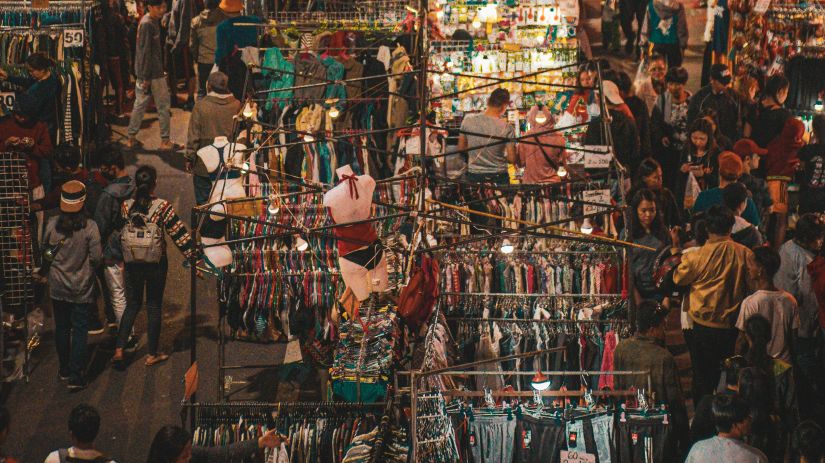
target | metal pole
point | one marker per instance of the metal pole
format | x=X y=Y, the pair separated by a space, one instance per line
x=414 y=412
x=193 y=304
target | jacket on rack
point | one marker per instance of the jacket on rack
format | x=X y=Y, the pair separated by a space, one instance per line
x=180 y=23
x=309 y=71
x=274 y=61
x=149 y=52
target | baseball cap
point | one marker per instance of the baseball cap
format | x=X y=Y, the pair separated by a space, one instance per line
x=747 y=147
x=720 y=73
x=218 y=82
x=72 y=196
x=611 y=92
x=730 y=165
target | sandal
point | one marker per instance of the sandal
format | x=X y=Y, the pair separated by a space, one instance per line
x=172 y=147
x=155 y=359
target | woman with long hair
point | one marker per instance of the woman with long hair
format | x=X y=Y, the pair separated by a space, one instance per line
x=150 y=277
x=584 y=96
x=173 y=444
x=649 y=176
x=647 y=228
x=771 y=114
x=72 y=251
x=699 y=158
x=44 y=88
x=757 y=389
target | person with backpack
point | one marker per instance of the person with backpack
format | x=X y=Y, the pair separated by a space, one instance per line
x=71 y=246
x=109 y=221
x=84 y=425
x=144 y=254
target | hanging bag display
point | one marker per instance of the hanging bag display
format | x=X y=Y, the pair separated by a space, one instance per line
x=418 y=298
x=141 y=239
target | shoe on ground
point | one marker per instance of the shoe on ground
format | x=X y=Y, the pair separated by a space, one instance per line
x=76 y=385
x=156 y=359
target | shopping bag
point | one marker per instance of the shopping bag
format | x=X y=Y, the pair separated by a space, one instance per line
x=692 y=190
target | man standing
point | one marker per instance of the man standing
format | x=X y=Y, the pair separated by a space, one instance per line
x=84 y=425
x=733 y=422
x=151 y=80
x=730 y=169
x=622 y=127
x=646 y=352
x=487 y=139
x=213 y=116
x=718 y=96
x=654 y=85
x=719 y=276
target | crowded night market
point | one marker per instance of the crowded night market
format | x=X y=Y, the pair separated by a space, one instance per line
x=441 y=231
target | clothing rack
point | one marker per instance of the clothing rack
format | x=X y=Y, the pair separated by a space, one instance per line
x=530 y=321
x=530 y=295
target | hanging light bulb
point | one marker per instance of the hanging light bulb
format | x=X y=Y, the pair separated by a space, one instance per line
x=541 y=118
x=333 y=112
x=587 y=227
x=507 y=247
x=248 y=111
x=274 y=207
x=308 y=138
x=562 y=172
x=301 y=244
x=476 y=22
x=439 y=14
x=818 y=106
x=540 y=381
x=245 y=167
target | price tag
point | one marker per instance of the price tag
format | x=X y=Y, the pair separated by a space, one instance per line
x=73 y=38
x=569 y=456
x=595 y=196
x=600 y=160
x=761 y=6
x=7 y=99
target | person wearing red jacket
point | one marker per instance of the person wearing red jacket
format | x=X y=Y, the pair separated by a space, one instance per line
x=780 y=164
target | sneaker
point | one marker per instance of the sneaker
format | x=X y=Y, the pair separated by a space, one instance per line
x=76 y=385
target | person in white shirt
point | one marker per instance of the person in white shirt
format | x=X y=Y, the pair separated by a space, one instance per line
x=732 y=417
x=84 y=425
x=777 y=306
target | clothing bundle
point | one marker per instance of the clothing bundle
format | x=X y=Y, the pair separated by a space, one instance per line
x=363 y=447
x=365 y=354
x=436 y=437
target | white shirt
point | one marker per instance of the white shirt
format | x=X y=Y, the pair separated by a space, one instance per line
x=780 y=308
x=724 y=449
x=79 y=454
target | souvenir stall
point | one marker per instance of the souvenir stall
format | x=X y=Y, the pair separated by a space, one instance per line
x=65 y=31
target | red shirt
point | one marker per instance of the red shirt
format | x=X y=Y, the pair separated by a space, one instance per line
x=42 y=148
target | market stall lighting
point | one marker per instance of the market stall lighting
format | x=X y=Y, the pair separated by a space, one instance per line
x=476 y=22
x=248 y=111
x=540 y=381
x=245 y=167
x=439 y=14
x=309 y=138
x=301 y=244
x=818 y=105
x=333 y=112
x=273 y=207
x=507 y=247
x=587 y=227
x=562 y=170
x=541 y=118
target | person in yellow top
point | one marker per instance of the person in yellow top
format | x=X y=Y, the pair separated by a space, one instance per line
x=720 y=275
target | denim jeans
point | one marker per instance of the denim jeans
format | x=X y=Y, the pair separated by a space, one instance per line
x=71 y=326
x=159 y=90
x=152 y=279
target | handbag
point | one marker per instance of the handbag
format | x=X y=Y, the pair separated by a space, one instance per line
x=418 y=298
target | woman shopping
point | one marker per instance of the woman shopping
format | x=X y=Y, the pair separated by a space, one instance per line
x=146 y=263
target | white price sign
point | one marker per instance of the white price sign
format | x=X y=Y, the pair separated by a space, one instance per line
x=570 y=456
x=598 y=159
x=73 y=38
x=7 y=99
x=598 y=197
x=761 y=6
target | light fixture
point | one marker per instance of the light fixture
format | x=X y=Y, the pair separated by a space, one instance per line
x=301 y=244
x=274 y=206
x=562 y=171
x=540 y=381
x=476 y=22
x=587 y=227
x=818 y=106
x=248 y=111
x=245 y=167
x=333 y=112
x=439 y=14
x=541 y=118
x=308 y=138
x=507 y=247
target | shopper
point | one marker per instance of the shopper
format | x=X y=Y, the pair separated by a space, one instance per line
x=812 y=186
x=756 y=388
x=730 y=169
x=702 y=426
x=808 y=443
x=107 y=216
x=668 y=124
x=770 y=112
x=150 y=77
x=73 y=242
x=700 y=159
x=149 y=277
x=719 y=278
x=646 y=352
x=638 y=109
x=630 y=10
x=583 y=102
x=43 y=87
x=735 y=197
x=117 y=69
x=540 y=153
x=650 y=86
x=732 y=417
x=794 y=278
x=202 y=41
x=213 y=116
x=488 y=141
x=718 y=96
x=67 y=162
x=649 y=176
x=622 y=127
x=780 y=166
x=722 y=142
x=665 y=26
x=611 y=39
x=750 y=154
x=173 y=444
x=179 y=55
x=5 y=427
x=647 y=229
x=84 y=426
